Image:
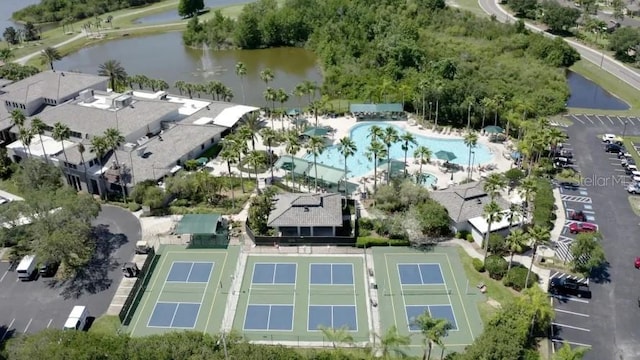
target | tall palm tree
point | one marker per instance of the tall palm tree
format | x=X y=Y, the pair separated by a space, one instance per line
x=229 y=156
x=310 y=89
x=253 y=124
x=375 y=133
x=61 y=132
x=337 y=336
x=38 y=128
x=527 y=190
x=494 y=184
x=269 y=136
x=470 y=140
x=433 y=331
x=407 y=140
x=282 y=97
x=48 y=56
x=267 y=76
x=241 y=72
x=375 y=151
x=18 y=118
x=81 y=150
x=232 y=144
x=492 y=214
x=566 y=352
x=115 y=138
x=389 y=137
x=515 y=242
x=114 y=71
x=539 y=235
x=347 y=148
x=100 y=147
x=538 y=301
x=424 y=154
x=25 y=135
x=255 y=158
x=292 y=148
x=391 y=341
x=270 y=95
x=299 y=92
x=514 y=214
x=180 y=85
x=315 y=147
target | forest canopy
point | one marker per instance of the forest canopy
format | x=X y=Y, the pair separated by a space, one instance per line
x=415 y=51
x=58 y=10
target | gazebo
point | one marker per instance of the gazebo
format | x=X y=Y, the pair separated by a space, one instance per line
x=205 y=230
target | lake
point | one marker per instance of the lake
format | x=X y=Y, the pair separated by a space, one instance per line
x=172 y=15
x=589 y=95
x=8 y=7
x=164 y=57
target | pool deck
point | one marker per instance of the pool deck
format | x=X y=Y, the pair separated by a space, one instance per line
x=342 y=126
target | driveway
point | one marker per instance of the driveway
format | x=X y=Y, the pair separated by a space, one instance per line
x=613 y=314
x=29 y=307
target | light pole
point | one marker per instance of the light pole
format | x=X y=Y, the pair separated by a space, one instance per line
x=624 y=130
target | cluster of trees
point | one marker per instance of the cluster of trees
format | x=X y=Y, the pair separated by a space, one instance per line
x=624 y=43
x=16 y=72
x=190 y=7
x=15 y=36
x=560 y=19
x=482 y=65
x=72 y=10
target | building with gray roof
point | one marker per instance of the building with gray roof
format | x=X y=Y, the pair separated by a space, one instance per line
x=306 y=214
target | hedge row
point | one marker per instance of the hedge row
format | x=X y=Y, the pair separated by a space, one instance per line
x=544 y=204
x=369 y=241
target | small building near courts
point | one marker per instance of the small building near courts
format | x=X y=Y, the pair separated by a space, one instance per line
x=372 y=112
x=205 y=231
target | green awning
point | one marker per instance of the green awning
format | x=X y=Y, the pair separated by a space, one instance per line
x=316 y=131
x=198 y=224
x=298 y=165
x=376 y=108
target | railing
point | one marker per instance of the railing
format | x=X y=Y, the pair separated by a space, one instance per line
x=300 y=240
x=135 y=295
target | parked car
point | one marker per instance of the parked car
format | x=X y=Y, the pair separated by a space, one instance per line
x=48 y=269
x=565 y=286
x=633 y=188
x=637 y=262
x=630 y=162
x=613 y=148
x=142 y=247
x=577 y=227
x=608 y=138
x=569 y=185
x=578 y=216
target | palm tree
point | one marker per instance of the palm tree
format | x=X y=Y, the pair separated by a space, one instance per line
x=269 y=136
x=25 y=137
x=241 y=72
x=470 y=140
x=255 y=158
x=267 y=76
x=114 y=139
x=347 y=148
x=539 y=235
x=315 y=147
x=514 y=214
x=566 y=352
x=424 y=154
x=337 y=336
x=407 y=139
x=527 y=190
x=253 y=124
x=391 y=341
x=18 y=118
x=282 y=97
x=292 y=148
x=270 y=96
x=389 y=137
x=48 y=56
x=114 y=71
x=81 y=150
x=229 y=156
x=310 y=89
x=6 y=54
x=375 y=133
x=180 y=85
x=375 y=151
x=433 y=331
x=299 y=92
x=538 y=301
x=61 y=132
x=515 y=242
x=494 y=184
x=493 y=214
x=100 y=147
x=38 y=128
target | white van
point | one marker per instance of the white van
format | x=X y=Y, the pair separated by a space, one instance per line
x=77 y=318
x=27 y=268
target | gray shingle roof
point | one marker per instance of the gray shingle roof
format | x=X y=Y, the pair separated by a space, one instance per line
x=74 y=156
x=306 y=210
x=51 y=85
x=464 y=202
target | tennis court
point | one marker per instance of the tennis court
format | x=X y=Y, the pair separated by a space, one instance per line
x=188 y=291
x=289 y=299
x=412 y=282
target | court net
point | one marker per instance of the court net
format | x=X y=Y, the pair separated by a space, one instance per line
x=418 y=292
x=314 y=292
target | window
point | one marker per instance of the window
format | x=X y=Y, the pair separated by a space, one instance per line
x=202 y=147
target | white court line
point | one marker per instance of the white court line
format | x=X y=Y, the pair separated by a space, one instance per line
x=8 y=328
x=570 y=327
x=50 y=322
x=3 y=275
x=571 y=312
x=577 y=119
x=570 y=342
x=28 y=324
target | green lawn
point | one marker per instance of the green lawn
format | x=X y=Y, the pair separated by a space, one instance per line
x=469 y=5
x=106 y=325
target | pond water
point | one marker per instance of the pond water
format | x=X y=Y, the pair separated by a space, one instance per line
x=172 y=15
x=164 y=57
x=589 y=95
x=8 y=7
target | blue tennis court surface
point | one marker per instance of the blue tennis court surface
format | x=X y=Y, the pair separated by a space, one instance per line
x=269 y=317
x=174 y=315
x=332 y=316
x=274 y=273
x=420 y=274
x=436 y=312
x=190 y=272
x=331 y=274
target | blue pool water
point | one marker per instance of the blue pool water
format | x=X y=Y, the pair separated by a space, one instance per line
x=359 y=165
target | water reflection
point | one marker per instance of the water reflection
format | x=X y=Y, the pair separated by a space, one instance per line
x=589 y=95
x=172 y=15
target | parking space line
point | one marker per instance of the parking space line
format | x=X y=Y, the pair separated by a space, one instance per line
x=566 y=298
x=8 y=328
x=610 y=119
x=27 y=327
x=570 y=342
x=626 y=119
x=3 y=275
x=619 y=170
x=577 y=119
x=571 y=312
x=598 y=116
x=50 y=322
x=570 y=327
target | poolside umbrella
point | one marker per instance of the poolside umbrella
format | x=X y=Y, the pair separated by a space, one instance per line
x=445 y=155
x=493 y=129
x=316 y=131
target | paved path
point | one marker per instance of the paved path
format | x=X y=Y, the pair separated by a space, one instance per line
x=612 y=66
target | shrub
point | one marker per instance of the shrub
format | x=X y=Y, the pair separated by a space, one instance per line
x=478 y=265
x=463 y=234
x=543 y=204
x=496 y=244
x=497 y=266
x=366 y=223
x=364 y=232
x=369 y=241
x=517 y=276
x=514 y=175
x=470 y=238
x=133 y=207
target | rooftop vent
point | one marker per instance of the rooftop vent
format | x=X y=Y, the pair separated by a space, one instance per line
x=86 y=95
x=122 y=101
x=479 y=202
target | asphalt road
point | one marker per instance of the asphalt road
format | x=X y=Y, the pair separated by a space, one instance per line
x=28 y=307
x=614 y=67
x=613 y=310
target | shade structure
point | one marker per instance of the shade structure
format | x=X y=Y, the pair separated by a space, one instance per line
x=316 y=131
x=198 y=224
x=493 y=129
x=445 y=155
x=293 y=112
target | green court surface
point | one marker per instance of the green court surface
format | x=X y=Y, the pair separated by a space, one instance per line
x=411 y=282
x=287 y=299
x=188 y=291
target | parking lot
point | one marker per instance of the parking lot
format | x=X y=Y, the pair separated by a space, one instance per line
x=28 y=307
x=607 y=322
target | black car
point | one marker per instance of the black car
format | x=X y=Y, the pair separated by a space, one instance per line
x=48 y=269
x=565 y=286
x=613 y=148
x=567 y=185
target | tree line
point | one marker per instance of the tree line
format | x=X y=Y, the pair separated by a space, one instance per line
x=72 y=10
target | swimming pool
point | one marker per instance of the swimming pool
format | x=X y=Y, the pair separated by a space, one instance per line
x=359 y=165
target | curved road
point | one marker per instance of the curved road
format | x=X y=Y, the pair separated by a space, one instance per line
x=612 y=66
